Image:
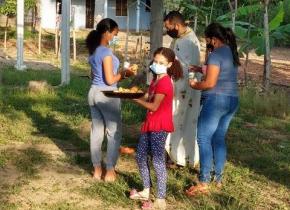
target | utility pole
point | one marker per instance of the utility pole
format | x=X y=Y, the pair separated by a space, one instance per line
x=138 y=16
x=65 y=42
x=20 y=35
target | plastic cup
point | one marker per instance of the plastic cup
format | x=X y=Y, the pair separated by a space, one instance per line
x=126 y=65
x=191 y=75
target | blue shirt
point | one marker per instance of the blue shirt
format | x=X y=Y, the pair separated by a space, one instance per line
x=227 y=79
x=96 y=62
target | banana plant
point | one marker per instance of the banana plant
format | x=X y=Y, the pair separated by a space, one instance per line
x=256 y=39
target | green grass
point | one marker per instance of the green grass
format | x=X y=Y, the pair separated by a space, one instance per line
x=257 y=174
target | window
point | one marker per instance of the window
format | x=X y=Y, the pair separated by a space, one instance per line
x=58 y=7
x=121 y=7
x=148 y=3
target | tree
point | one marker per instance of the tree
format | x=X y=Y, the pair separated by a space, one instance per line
x=156 y=25
x=267 y=56
x=8 y=8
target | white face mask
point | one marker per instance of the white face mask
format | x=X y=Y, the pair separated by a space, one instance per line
x=114 y=41
x=158 y=68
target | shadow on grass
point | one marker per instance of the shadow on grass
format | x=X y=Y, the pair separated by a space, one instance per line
x=260 y=150
x=228 y=202
x=47 y=121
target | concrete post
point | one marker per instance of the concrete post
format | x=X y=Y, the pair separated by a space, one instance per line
x=138 y=16
x=20 y=35
x=65 y=42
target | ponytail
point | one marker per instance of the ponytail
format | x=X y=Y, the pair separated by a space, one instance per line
x=231 y=41
x=225 y=35
x=175 y=70
x=93 y=39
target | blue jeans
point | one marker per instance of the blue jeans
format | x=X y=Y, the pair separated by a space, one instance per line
x=215 y=116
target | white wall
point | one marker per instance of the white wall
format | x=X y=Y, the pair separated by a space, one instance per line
x=47 y=12
x=48 y=15
x=80 y=10
x=122 y=21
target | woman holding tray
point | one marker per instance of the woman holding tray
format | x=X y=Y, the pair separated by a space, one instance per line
x=105 y=112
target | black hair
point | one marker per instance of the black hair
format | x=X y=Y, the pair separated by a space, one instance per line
x=226 y=35
x=93 y=39
x=175 y=17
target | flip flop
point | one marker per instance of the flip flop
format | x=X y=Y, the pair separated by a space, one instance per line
x=197 y=190
x=127 y=150
x=135 y=195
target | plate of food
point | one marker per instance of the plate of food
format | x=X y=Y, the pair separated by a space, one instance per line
x=133 y=92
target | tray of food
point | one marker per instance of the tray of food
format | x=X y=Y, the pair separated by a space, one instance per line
x=133 y=92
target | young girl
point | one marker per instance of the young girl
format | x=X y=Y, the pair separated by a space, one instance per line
x=157 y=125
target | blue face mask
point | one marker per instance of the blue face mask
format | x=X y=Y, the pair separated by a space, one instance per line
x=114 y=41
x=158 y=68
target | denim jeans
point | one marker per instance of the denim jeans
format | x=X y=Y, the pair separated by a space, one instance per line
x=215 y=116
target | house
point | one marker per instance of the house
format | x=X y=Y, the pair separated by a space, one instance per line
x=87 y=13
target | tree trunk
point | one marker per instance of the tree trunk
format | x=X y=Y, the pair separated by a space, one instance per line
x=195 y=23
x=246 y=68
x=156 y=35
x=39 y=39
x=74 y=45
x=5 y=33
x=234 y=13
x=211 y=10
x=267 y=56
x=156 y=26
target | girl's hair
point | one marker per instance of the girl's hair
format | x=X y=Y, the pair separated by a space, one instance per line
x=226 y=35
x=175 y=71
x=93 y=39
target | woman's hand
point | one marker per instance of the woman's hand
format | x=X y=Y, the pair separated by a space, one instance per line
x=127 y=73
x=195 y=68
x=192 y=82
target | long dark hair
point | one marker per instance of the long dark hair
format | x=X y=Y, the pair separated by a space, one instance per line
x=93 y=39
x=227 y=36
x=175 y=71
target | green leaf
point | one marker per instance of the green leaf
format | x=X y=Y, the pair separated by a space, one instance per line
x=259 y=44
x=242 y=11
x=278 y=19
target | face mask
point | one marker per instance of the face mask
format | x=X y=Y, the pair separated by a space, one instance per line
x=209 y=46
x=114 y=41
x=173 y=33
x=158 y=69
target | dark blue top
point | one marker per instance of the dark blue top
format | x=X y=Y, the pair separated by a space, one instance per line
x=227 y=79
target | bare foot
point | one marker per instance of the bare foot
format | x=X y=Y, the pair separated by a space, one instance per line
x=110 y=175
x=97 y=173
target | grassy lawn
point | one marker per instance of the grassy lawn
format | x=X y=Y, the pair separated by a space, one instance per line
x=45 y=162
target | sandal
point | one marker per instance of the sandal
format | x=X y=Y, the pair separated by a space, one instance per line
x=135 y=195
x=127 y=150
x=197 y=190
